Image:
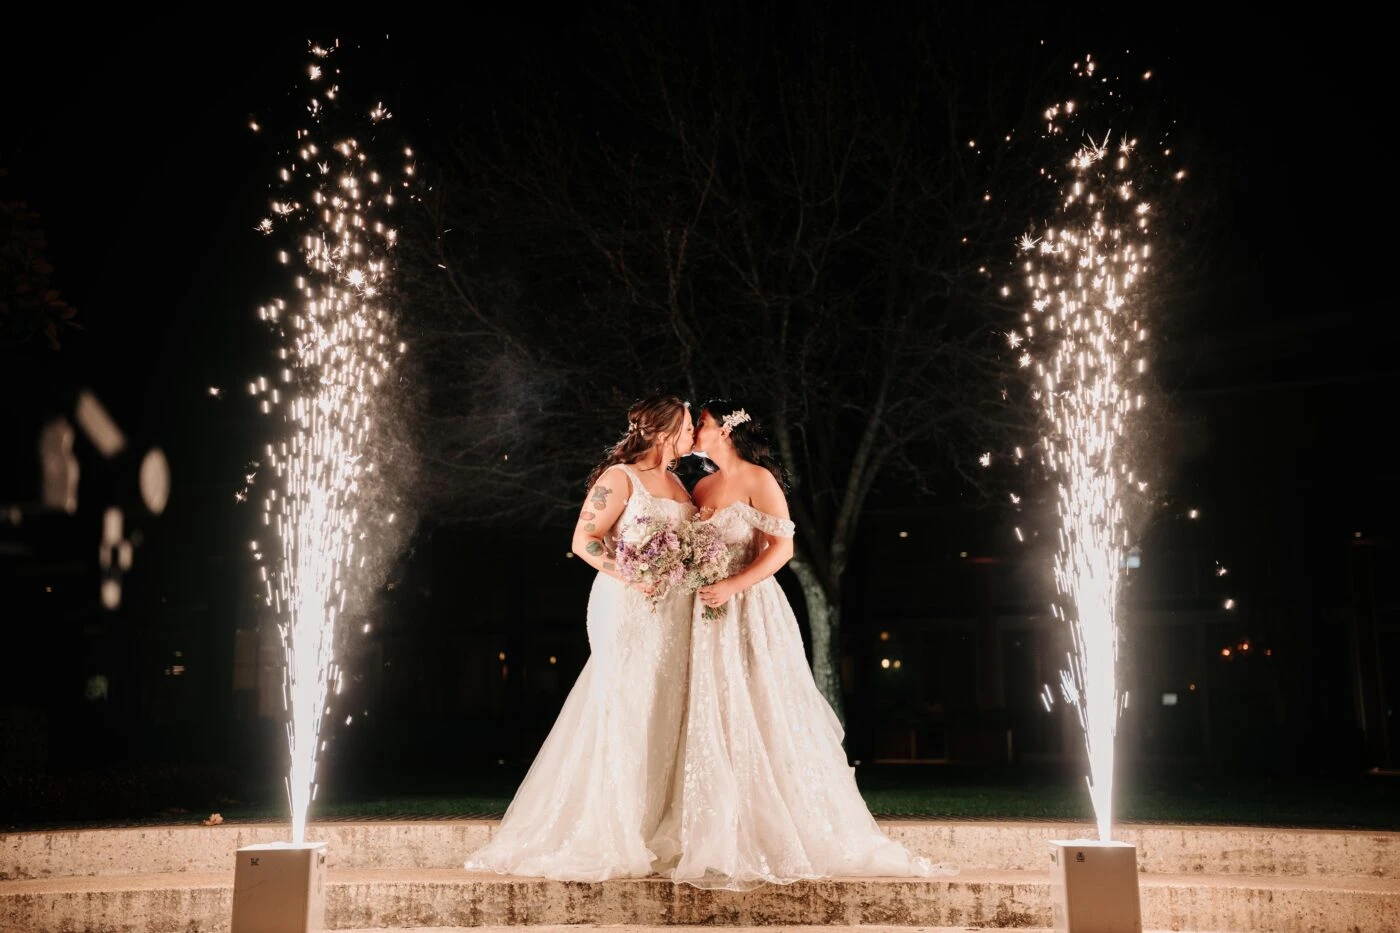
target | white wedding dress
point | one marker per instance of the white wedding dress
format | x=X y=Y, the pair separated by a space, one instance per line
x=765 y=794
x=592 y=800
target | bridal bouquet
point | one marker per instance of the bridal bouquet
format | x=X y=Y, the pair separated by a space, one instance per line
x=708 y=559
x=650 y=552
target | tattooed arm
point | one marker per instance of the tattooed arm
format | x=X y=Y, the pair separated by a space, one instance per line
x=600 y=512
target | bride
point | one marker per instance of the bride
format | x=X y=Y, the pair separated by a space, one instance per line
x=764 y=794
x=590 y=805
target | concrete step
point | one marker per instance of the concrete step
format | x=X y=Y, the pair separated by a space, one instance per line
x=428 y=898
x=617 y=928
x=591 y=928
x=1208 y=850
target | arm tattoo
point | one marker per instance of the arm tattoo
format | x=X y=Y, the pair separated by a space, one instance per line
x=609 y=565
x=590 y=528
x=600 y=497
x=587 y=516
x=594 y=548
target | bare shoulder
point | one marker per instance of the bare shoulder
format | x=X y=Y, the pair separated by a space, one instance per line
x=617 y=476
x=613 y=480
x=760 y=479
x=763 y=488
x=705 y=482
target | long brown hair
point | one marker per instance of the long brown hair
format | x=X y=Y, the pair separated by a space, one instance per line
x=648 y=422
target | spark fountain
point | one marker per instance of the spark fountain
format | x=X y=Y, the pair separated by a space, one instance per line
x=1084 y=274
x=337 y=352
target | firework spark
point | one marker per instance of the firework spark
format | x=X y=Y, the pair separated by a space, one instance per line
x=337 y=347
x=1082 y=275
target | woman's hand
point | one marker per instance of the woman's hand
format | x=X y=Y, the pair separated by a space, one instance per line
x=717 y=594
x=646 y=589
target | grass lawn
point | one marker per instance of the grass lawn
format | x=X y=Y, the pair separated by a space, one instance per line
x=908 y=792
x=934 y=794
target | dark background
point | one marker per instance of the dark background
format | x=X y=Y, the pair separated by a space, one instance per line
x=135 y=149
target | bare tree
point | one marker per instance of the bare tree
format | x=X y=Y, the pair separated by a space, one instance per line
x=819 y=235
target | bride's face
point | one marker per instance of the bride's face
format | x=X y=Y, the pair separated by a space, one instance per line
x=684 y=434
x=706 y=433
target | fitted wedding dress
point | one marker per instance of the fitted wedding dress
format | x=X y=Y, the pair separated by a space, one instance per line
x=592 y=800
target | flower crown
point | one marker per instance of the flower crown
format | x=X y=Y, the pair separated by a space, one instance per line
x=732 y=420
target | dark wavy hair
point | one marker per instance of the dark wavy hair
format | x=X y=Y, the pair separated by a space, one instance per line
x=648 y=420
x=750 y=440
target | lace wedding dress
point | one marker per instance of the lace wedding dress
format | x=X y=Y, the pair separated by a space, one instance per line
x=596 y=792
x=765 y=794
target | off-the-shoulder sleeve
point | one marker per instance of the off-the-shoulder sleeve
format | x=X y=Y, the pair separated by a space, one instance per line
x=768 y=524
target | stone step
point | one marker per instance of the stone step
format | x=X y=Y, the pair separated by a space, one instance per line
x=1225 y=850
x=630 y=928
x=427 y=898
x=619 y=928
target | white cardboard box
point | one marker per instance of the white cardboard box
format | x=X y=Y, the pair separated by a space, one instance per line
x=280 y=887
x=1094 y=887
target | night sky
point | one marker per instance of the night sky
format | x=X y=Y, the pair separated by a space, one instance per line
x=137 y=154
x=136 y=151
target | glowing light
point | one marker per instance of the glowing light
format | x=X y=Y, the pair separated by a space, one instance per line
x=884 y=636
x=904 y=534
x=885 y=663
x=1229 y=604
x=334 y=347
x=1082 y=274
x=1194 y=513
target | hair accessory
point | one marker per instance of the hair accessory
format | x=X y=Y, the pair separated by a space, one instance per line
x=732 y=420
